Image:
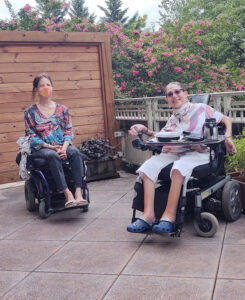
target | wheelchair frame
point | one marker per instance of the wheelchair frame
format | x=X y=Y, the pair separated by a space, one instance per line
x=39 y=187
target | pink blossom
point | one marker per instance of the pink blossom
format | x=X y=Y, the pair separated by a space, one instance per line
x=168 y=54
x=115 y=47
x=123 y=86
x=27 y=7
x=48 y=29
x=121 y=37
x=150 y=73
x=66 y=4
x=78 y=28
x=194 y=61
x=197 y=76
x=147 y=33
x=153 y=60
x=239 y=87
x=178 y=69
x=187 y=59
x=198 y=42
x=85 y=29
x=12 y=22
x=135 y=32
x=134 y=72
x=122 y=52
x=158 y=90
x=118 y=75
x=137 y=45
x=34 y=27
x=158 y=66
x=202 y=22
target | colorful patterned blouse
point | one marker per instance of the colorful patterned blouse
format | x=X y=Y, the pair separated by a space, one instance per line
x=54 y=130
x=190 y=117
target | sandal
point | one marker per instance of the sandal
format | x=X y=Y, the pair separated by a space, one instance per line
x=81 y=202
x=70 y=203
x=139 y=226
x=163 y=227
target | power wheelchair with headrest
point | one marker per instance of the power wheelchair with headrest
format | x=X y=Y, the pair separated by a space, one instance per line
x=209 y=192
x=41 y=190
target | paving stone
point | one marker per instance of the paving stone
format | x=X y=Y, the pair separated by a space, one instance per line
x=104 y=197
x=235 y=232
x=106 y=230
x=117 y=211
x=229 y=289
x=170 y=259
x=145 y=288
x=50 y=229
x=119 y=184
x=91 y=257
x=53 y=286
x=25 y=255
x=8 y=279
x=232 y=264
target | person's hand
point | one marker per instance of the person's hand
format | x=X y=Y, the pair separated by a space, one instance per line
x=134 y=130
x=230 y=147
x=62 y=153
x=57 y=147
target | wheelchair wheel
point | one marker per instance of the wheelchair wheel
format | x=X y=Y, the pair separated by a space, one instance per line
x=232 y=201
x=29 y=197
x=208 y=226
x=44 y=214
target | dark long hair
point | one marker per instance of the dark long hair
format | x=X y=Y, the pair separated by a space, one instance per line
x=36 y=81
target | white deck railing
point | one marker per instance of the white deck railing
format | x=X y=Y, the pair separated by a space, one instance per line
x=154 y=110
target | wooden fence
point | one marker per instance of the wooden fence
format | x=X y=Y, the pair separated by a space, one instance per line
x=80 y=67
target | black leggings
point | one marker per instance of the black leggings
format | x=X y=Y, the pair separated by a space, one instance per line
x=55 y=165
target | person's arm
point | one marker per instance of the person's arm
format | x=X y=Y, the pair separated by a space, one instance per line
x=36 y=141
x=68 y=132
x=136 y=128
x=230 y=147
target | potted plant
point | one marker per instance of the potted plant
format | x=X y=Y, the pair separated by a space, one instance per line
x=101 y=157
x=235 y=164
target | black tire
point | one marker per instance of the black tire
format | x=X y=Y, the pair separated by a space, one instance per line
x=29 y=197
x=44 y=214
x=209 y=225
x=232 y=201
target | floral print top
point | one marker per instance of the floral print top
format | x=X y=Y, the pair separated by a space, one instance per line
x=54 y=130
x=190 y=117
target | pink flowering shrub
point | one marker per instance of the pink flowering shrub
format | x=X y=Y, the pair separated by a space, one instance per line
x=144 y=62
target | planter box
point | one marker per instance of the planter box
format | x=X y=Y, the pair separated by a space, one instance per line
x=101 y=169
x=241 y=181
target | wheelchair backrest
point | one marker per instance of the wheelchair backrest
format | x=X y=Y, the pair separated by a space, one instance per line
x=201 y=98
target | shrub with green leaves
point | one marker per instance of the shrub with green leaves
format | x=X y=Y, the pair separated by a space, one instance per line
x=237 y=161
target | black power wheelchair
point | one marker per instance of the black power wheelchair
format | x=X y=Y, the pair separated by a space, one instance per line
x=41 y=190
x=210 y=192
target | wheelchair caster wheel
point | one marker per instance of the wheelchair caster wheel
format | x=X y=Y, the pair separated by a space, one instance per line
x=29 y=197
x=208 y=225
x=232 y=201
x=43 y=212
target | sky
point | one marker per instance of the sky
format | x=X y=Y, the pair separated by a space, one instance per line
x=142 y=6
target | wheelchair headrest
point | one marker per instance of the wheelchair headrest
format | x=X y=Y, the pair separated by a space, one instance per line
x=201 y=98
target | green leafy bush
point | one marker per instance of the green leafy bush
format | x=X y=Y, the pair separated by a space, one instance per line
x=237 y=161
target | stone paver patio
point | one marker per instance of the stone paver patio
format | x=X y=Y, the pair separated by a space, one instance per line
x=74 y=255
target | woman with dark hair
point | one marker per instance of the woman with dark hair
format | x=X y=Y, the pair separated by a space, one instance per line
x=50 y=128
x=186 y=117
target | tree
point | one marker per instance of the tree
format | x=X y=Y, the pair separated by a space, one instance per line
x=227 y=42
x=114 y=13
x=52 y=9
x=10 y=9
